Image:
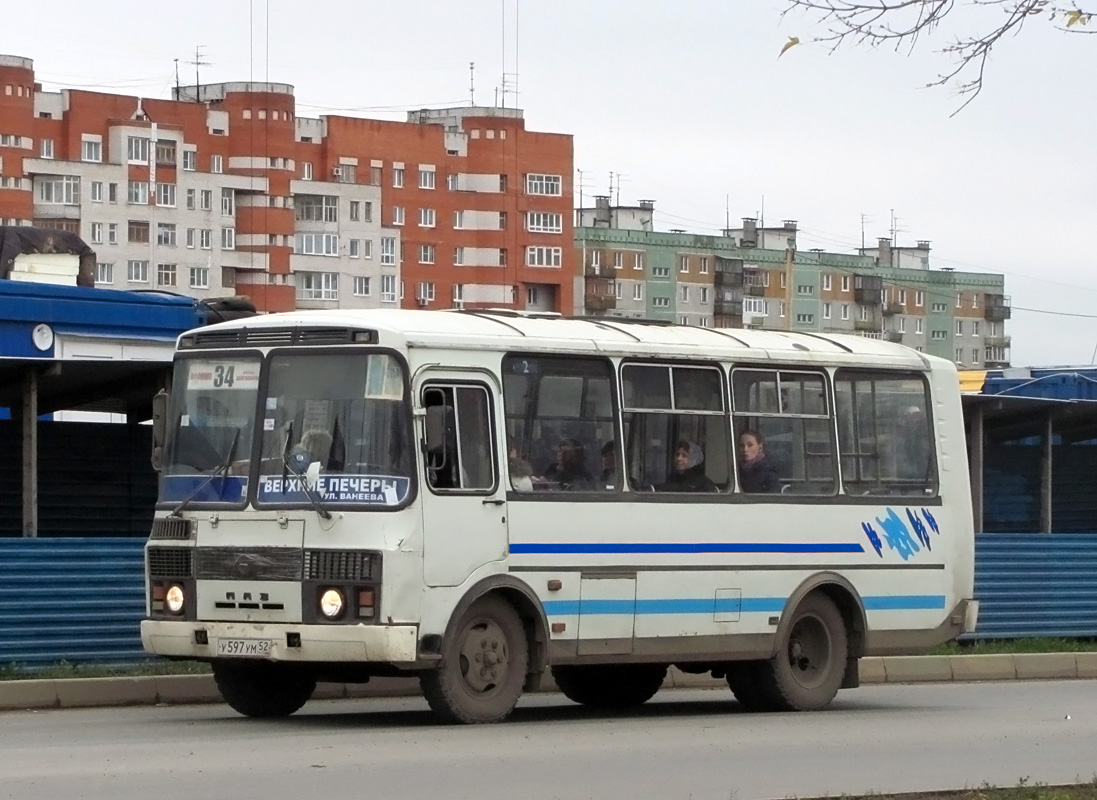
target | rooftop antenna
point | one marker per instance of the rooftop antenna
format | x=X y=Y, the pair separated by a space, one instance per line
x=472 y=83
x=198 y=62
x=727 y=212
x=865 y=218
x=176 y=78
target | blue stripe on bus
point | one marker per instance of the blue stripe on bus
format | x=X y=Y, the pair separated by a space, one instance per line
x=530 y=548
x=687 y=605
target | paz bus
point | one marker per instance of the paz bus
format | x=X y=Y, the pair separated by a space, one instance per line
x=477 y=498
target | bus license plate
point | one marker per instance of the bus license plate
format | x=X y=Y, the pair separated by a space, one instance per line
x=244 y=648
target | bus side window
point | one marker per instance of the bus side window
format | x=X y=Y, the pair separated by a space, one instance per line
x=458 y=448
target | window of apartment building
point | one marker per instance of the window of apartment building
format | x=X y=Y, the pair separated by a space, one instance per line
x=959 y=299
x=138 y=232
x=216 y=164
x=165 y=194
x=637 y=260
x=388 y=251
x=397 y=215
x=704 y=265
x=543 y=256
x=228 y=238
x=361 y=286
x=205 y=200
x=902 y=325
x=938 y=336
x=974 y=299
x=547 y=185
x=91 y=150
x=388 y=287
x=993 y=328
x=426 y=177
x=165 y=154
x=826 y=307
x=367 y=248
x=424 y=292
x=199 y=277
x=976 y=328
x=112 y=192
x=704 y=294
x=660 y=272
x=58 y=190
x=97 y=191
x=683 y=320
x=353 y=248
x=46 y=150
x=97 y=233
x=346 y=173
x=190 y=160
x=191 y=199
x=938 y=308
x=205 y=239
x=165 y=234
x=596 y=258
x=805 y=289
x=805 y=319
x=112 y=233
x=845 y=283
x=638 y=291
x=863 y=313
x=137 y=271
x=426 y=218
x=104 y=272
x=902 y=297
x=426 y=254
x=316 y=244
x=137 y=149
x=397 y=177
x=959 y=355
x=166 y=274
x=375 y=174
x=458 y=256
x=845 y=311
x=683 y=293
x=502 y=256
x=919 y=299
x=976 y=355
x=316 y=208
x=959 y=327
x=228 y=202
x=919 y=325
x=826 y=281
x=784 y=281
x=355 y=213
x=137 y=193
x=544 y=222
x=306 y=170
x=532 y=296
x=319 y=285
x=190 y=237
x=660 y=302
x=683 y=264
x=781 y=309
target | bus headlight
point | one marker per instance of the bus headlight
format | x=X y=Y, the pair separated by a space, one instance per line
x=332 y=603
x=174 y=599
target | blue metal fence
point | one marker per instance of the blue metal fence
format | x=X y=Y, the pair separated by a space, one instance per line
x=77 y=600
x=81 y=600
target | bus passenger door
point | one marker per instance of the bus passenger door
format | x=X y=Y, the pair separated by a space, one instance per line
x=463 y=498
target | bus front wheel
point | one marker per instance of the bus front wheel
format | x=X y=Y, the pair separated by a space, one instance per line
x=807 y=671
x=483 y=666
x=610 y=686
x=261 y=689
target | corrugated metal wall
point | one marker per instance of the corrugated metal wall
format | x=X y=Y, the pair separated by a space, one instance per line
x=77 y=600
x=1036 y=585
x=81 y=600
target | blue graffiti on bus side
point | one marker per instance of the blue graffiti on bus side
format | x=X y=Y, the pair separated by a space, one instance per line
x=898 y=536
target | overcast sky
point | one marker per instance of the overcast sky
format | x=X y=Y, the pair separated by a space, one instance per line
x=689 y=102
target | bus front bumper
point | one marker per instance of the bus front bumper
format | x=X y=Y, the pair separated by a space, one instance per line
x=382 y=644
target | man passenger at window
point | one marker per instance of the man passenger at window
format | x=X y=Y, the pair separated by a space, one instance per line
x=756 y=474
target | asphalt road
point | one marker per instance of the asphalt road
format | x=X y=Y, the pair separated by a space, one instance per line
x=685 y=744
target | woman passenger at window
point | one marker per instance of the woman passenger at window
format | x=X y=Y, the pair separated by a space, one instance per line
x=688 y=473
x=756 y=474
x=570 y=470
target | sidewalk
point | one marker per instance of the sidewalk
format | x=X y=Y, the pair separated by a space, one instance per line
x=180 y=689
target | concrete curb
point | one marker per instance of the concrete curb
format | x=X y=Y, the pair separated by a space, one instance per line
x=184 y=689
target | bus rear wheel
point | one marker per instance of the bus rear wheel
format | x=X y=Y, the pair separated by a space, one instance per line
x=483 y=666
x=610 y=686
x=807 y=671
x=263 y=690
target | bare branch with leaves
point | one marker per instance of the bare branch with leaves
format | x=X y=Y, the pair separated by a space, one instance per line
x=902 y=24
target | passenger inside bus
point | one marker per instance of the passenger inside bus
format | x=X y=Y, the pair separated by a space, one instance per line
x=756 y=474
x=521 y=473
x=609 y=465
x=688 y=470
x=569 y=472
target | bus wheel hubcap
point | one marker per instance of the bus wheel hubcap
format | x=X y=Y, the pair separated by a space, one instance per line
x=484 y=659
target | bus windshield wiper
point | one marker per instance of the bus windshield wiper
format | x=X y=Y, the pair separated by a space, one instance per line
x=287 y=468
x=221 y=471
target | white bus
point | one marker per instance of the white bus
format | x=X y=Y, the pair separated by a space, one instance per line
x=477 y=497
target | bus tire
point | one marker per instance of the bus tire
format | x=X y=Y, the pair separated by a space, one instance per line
x=483 y=667
x=610 y=686
x=807 y=671
x=263 y=690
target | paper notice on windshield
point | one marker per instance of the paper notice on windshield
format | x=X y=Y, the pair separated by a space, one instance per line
x=384 y=379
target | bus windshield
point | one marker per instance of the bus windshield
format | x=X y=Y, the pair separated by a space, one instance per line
x=338 y=427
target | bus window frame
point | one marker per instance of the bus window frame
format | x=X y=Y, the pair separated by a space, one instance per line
x=493 y=451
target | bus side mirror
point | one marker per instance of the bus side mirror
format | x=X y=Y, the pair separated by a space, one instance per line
x=159 y=428
x=436 y=429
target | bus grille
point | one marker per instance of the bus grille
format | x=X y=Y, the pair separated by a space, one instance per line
x=170 y=562
x=342 y=565
x=256 y=564
x=171 y=528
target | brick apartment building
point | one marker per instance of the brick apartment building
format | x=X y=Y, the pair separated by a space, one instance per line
x=224 y=189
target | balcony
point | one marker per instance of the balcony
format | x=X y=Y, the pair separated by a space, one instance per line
x=599 y=302
x=866 y=325
x=992 y=363
x=996 y=308
x=893 y=336
x=599 y=271
x=996 y=341
x=891 y=309
x=754 y=290
x=730 y=305
x=867 y=289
